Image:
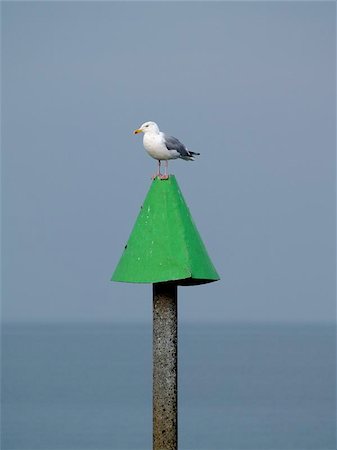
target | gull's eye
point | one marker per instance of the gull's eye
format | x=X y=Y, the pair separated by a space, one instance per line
x=146 y=126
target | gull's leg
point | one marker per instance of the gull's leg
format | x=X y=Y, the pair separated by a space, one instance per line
x=158 y=174
x=165 y=176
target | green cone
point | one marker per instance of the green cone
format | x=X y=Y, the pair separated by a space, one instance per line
x=164 y=244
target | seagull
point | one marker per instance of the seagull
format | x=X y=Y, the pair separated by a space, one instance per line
x=162 y=147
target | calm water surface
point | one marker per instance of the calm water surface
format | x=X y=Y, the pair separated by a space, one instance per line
x=79 y=387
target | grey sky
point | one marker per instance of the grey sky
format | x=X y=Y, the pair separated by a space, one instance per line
x=250 y=85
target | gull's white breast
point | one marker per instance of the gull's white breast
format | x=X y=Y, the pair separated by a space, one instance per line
x=155 y=146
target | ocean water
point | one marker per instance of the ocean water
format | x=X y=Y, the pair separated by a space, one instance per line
x=252 y=387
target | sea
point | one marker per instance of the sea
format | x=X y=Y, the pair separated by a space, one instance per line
x=241 y=386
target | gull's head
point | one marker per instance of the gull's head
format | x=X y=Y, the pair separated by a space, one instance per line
x=147 y=127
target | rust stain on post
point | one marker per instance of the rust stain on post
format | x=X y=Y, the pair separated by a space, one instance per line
x=165 y=367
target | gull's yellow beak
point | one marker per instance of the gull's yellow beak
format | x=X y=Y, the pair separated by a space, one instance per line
x=137 y=131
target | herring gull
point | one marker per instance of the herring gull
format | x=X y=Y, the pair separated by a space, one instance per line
x=162 y=147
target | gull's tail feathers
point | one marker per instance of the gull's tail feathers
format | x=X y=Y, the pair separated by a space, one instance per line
x=190 y=156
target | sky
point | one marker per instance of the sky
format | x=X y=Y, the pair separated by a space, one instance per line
x=249 y=85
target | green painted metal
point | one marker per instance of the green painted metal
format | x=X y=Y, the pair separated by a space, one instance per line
x=164 y=244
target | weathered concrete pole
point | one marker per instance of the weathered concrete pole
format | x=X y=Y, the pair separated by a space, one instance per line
x=165 y=367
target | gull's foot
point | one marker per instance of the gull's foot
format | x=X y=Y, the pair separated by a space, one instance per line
x=163 y=177
x=156 y=175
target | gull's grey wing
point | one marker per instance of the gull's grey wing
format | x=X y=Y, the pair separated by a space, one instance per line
x=173 y=143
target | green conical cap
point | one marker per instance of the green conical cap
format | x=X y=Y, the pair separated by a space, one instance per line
x=164 y=244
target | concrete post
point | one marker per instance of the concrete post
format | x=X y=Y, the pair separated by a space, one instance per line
x=165 y=367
